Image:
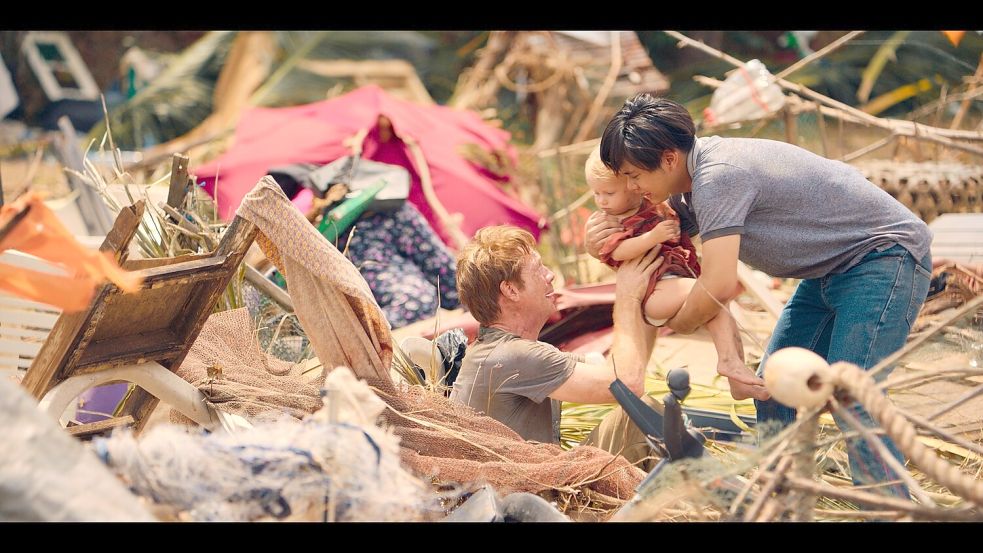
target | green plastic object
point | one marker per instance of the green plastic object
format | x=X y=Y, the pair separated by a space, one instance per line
x=341 y=218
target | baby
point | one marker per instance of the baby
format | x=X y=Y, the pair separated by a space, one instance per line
x=655 y=225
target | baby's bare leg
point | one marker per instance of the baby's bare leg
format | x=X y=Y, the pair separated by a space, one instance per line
x=668 y=297
x=730 y=358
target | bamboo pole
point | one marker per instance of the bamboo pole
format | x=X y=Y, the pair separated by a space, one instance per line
x=818 y=54
x=901 y=127
x=602 y=95
x=964 y=105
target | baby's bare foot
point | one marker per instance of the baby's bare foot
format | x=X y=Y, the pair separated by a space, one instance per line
x=738 y=371
x=740 y=390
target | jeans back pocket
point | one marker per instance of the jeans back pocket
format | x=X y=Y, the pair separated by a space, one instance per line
x=919 y=290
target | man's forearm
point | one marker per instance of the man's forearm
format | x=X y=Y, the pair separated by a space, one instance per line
x=632 y=343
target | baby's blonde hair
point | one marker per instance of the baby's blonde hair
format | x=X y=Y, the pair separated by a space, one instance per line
x=595 y=170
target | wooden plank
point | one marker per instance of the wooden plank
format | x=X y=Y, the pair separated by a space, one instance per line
x=959 y=254
x=957 y=250
x=140 y=405
x=118 y=243
x=85 y=430
x=67 y=331
x=399 y=72
x=264 y=285
x=970 y=235
x=184 y=272
x=962 y=235
x=179 y=181
x=965 y=259
x=183 y=281
x=958 y=236
x=957 y=221
x=132 y=349
x=967 y=245
x=139 y=264
x=95 y=214
x=965 y=428
x=13 y=363
x=28 y=261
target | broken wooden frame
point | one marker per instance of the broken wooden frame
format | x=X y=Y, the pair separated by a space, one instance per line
x=141 y=337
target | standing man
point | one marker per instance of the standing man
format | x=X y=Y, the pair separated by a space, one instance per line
x=863 y=257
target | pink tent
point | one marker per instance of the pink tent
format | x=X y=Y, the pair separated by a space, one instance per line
x=314 y=133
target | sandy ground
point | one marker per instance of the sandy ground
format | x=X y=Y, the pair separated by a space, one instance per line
x=48 y=178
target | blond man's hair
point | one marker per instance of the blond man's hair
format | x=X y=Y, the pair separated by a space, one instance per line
x=495 y=255
x=594 y=168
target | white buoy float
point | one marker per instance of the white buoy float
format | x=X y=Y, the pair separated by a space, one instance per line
x=798 y=378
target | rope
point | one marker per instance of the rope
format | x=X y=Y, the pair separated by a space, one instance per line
x=862 y=387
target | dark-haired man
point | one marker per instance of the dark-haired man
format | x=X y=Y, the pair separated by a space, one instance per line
x=862 y=256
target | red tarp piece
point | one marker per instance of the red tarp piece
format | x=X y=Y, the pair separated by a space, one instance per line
x=314 y=133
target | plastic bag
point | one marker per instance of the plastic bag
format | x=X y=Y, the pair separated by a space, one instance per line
x=747 y=93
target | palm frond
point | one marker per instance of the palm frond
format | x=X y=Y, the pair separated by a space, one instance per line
x=878 y=61
x=176 y=101
x=291 y=84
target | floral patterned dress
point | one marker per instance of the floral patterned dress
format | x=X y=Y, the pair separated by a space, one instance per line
x=403 y=260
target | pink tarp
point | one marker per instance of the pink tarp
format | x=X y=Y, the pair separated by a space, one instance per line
x=313 y=133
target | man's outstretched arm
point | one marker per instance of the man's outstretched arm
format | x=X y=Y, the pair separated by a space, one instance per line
x=633 y=341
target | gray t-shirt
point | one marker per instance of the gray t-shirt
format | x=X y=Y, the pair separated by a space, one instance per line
x=508 y=377
x=799 y=215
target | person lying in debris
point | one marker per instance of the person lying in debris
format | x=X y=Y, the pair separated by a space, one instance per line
x=402 y=259
x=654 y=225
x=862 y=256
x=508 y=374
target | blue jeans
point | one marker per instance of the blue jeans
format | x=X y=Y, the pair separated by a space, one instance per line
x=860 y=316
